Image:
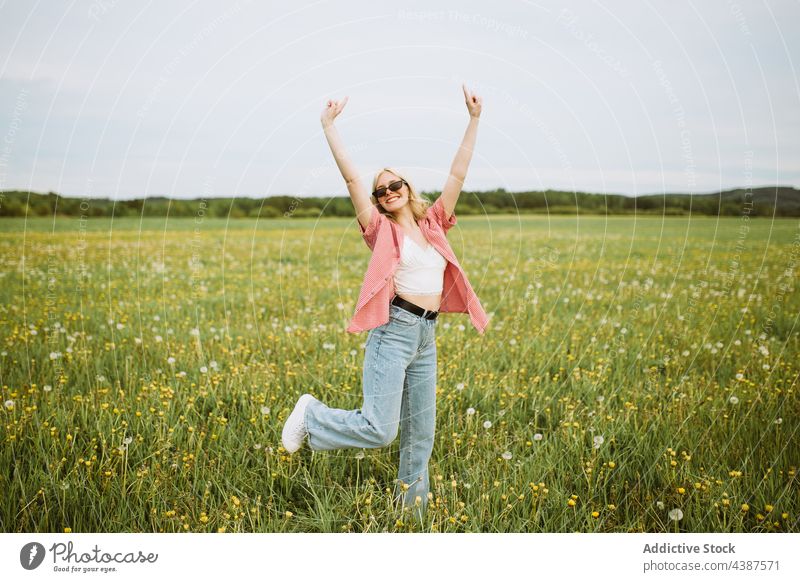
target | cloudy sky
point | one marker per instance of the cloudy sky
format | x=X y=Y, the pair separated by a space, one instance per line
x=117 y=99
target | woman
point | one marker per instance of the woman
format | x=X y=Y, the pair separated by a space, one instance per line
x=413 y=275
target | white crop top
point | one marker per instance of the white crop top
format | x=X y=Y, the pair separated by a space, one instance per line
x=420 y=271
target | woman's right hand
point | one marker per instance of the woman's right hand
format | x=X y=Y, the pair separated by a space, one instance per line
x=332 y=109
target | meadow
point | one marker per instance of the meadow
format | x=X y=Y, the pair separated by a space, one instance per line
x=637 y=375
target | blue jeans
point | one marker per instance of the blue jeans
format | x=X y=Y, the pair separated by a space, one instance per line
x=399 y=383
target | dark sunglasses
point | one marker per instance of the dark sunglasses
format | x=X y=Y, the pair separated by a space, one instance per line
x=394 y=187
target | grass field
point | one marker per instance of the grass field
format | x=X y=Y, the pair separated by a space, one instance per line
x=632 y=367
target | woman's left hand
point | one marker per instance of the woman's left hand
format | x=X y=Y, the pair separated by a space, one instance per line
x=473 y=102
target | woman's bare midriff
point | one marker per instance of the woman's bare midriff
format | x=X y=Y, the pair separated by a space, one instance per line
x=429 y=302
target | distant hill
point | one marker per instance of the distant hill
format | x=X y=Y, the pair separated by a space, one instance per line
x=764 y=201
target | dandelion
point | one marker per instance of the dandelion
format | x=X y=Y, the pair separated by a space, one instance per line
x=460 y=386
x=265 y=410
x=9 y=404
x=538 y=436
x=676 y=514
x=598 y=440
x=67 y=530
x=360 y=455
x=170 y=360
x=611 y=464
x=288 y=514
x=660 y=504
x=507 y=455
x=745 y=507
x=600 y=398
x=595 y=514
x=486 y=424
x=470 y=411
x=733 y=400
x=571 y=502
x=203 y=369
x=47 y=388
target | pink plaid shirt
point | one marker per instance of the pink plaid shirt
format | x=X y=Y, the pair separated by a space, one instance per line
x=385 y=239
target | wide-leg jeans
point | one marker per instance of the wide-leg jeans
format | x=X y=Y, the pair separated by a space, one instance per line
x=399 y=384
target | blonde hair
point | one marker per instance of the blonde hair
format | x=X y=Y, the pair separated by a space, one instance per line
x=418 y=204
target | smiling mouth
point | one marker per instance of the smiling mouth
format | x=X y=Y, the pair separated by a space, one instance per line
x=392 y=199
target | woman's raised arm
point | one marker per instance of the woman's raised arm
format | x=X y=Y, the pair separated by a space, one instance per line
x=358 y=193
x=458 y=170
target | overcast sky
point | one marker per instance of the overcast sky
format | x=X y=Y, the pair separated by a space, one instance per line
x=197 y=99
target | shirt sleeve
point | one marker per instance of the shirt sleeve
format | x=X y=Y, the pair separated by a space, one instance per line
x=436 y=211
x=370 y=234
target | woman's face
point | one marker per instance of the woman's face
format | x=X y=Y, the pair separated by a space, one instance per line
x=393 y=201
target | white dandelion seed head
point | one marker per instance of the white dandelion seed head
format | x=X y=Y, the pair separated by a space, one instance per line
x=203 y=369
x=487 y=424
x=360 y=455
x=507 y=455
x=660 y=504
x=9 y=404
x=733 y=399
x=47 y=388
x=470 y=411
x=676 y=514
x=127 y=440
x=170 y=360
x=460 y=386
x=598 y=440
x=538 y=436
x=265 y=410
x=739 y=376
x=600 y=398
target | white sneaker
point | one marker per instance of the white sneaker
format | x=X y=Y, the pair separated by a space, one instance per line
x=294 y=431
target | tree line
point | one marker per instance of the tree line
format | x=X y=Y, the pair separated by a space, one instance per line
x=764 y=201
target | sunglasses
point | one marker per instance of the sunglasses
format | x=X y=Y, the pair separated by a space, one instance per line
x=394 y=187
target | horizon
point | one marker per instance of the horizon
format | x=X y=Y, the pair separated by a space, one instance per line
x=345 y=195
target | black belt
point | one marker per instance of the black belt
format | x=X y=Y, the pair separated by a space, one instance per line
x=415 y=309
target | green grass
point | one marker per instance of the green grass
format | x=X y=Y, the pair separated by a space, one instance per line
x=270 y=300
